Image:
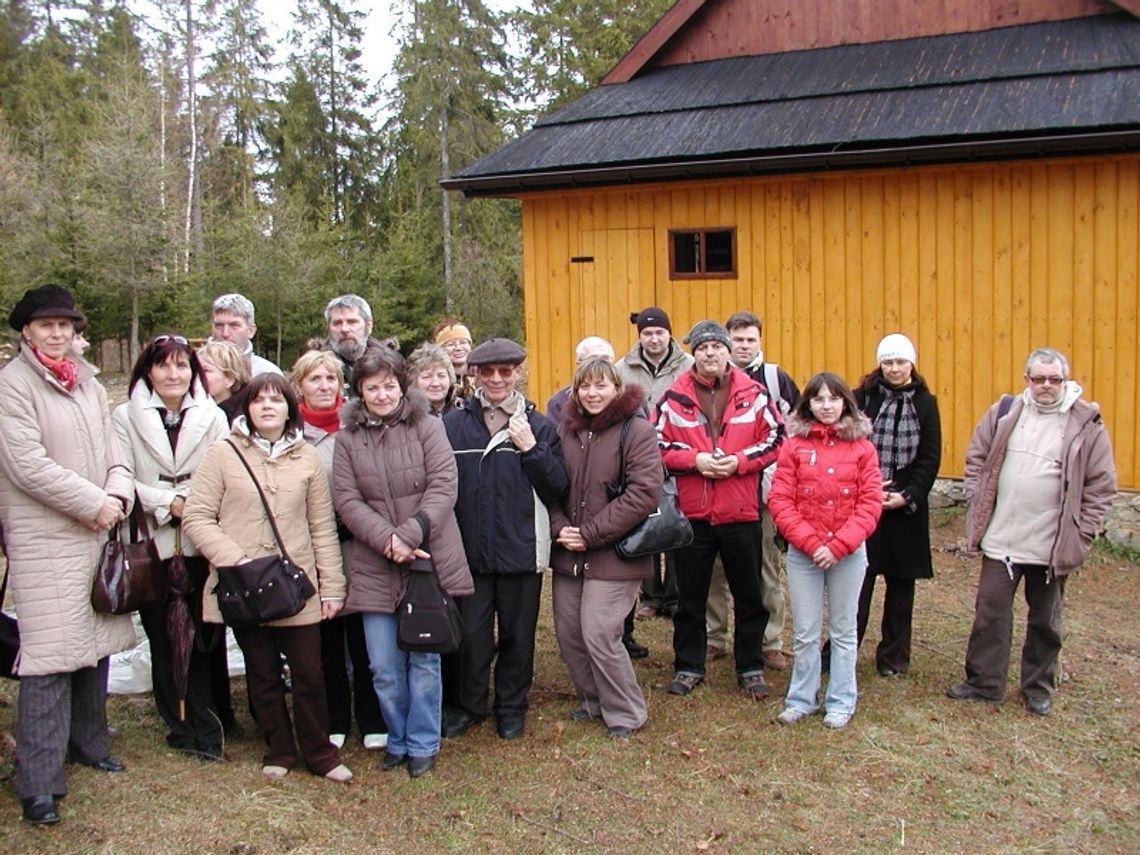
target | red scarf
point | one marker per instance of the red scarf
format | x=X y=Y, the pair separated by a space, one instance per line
x=326 y=420
x=65 y=371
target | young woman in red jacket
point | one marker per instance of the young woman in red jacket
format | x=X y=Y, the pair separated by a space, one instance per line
x=826 y=499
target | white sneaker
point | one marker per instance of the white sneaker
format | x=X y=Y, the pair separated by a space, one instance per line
x=337 y=739
x=340 y=775
x=274 y=773
x=791 y=716
x=375 y=741
x=836 y=720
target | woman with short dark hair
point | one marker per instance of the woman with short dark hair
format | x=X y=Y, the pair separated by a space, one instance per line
x=164 y=429
x=226 y=519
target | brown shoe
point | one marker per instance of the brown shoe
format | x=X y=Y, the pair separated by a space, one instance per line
x=713 y=653
x=775 y=660
x=647 y=612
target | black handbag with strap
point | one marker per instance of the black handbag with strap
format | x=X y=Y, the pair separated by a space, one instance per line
x=9 y=637
x=664 y=530
x=427 y=617
x=262 y=589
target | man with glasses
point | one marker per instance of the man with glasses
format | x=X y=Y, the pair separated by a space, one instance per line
x=510 y=471
x=1039 y=479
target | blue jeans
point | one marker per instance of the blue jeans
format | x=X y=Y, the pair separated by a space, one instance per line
x=409 y=687
x=806 y=585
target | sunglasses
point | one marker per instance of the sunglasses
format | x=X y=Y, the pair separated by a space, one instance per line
x=177 y=339
x=1042 y=381
x=504 y=371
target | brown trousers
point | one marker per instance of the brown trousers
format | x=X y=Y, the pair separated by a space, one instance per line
x=987 y=654
x=263 y=647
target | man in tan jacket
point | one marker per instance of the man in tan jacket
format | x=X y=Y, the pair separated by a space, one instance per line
x=62 y=485
x=1039 y=479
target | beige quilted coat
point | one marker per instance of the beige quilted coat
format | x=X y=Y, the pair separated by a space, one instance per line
x=225 y=519
x=58 y=462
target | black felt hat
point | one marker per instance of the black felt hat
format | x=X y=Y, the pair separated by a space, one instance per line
x=47 y=301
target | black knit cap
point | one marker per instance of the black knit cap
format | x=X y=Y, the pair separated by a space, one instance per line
x=651 y=317
x=47 y=301
x=497 y=351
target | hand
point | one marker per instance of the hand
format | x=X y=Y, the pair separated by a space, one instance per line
x=824 y=558
x=728 y=465
x=111 y=513
x=177 y=506
x=330 y=608
x=706 y=465
x=570 y=537
x=893 y=501
x=398 y=551
x=518 y=429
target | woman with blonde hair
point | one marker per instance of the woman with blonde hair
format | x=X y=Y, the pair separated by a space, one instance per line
x=225 y=371
x=317 y=379
x=431 y=371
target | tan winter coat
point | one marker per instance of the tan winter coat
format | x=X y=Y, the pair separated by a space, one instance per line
x=225 y=519
x=58 y=463
x=154 y=467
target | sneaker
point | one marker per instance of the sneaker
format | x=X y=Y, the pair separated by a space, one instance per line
x=684 y=682
x=836 y=720
x=375 y=741
x=274 y=773
x=337 y=739
x=340 y=775
x=791 y=716
x=583 y=714
x=754 y=684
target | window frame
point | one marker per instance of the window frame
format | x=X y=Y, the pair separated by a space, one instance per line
x=702 y=261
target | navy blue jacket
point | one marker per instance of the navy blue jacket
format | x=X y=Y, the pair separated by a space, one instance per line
x=497 y=507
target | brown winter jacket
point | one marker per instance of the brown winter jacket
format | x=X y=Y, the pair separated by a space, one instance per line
x=225 y=519
x=391 y=479
x=590 y=449
x=1088 y=480
x=58 y=463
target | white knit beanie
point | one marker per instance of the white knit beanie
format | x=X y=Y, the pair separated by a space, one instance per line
x=896 y=346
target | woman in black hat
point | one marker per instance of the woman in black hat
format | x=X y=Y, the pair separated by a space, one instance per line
x=62 y=485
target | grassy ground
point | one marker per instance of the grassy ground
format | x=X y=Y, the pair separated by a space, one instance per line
x=712 y=772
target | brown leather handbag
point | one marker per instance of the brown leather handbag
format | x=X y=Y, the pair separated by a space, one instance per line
x=130 y=575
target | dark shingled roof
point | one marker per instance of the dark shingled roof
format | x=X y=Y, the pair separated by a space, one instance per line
x=1059 y=87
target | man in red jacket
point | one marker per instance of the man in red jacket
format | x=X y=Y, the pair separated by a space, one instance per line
x=718 y=430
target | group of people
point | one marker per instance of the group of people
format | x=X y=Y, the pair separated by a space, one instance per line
x=361 y=461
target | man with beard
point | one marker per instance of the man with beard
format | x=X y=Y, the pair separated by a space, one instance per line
x=349 y=319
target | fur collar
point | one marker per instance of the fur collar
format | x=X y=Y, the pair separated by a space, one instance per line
x=630 y=402
x=848 y=428
x=355 y=415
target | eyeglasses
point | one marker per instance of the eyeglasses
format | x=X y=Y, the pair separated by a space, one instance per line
x=456 y=343
x=504 y=371
x=177 y=339
x=1051 y=380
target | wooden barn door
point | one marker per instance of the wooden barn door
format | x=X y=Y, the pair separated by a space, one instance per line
x=613 y=273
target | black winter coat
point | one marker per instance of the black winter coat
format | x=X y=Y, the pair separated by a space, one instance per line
x=502 y=526
x=900 y=545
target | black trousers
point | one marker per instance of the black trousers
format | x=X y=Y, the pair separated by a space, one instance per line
x=738 y=545
x=660 y=589
x=342 y=644
x=893 y=650
x=200 y=729
x=512 y=600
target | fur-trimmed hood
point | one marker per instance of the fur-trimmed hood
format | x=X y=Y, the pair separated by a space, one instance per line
x=629 y=402
x=848 y=428
x=414 y=407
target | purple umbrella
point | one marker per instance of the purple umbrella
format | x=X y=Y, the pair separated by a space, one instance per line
x=180 y=623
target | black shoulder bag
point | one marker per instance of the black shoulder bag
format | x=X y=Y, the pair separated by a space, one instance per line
x=427 y=617
x=664 y=530
x=9 y=637
x=263 y=589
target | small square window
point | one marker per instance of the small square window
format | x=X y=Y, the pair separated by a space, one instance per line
x=702 y=253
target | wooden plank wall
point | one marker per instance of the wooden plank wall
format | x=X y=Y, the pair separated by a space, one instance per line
x=753 y=27
x=979 y=264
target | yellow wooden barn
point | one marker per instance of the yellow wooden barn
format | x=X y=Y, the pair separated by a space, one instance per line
x=965 y=173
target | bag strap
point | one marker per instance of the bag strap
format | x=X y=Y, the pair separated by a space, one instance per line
x=621 y=481
x=261 y=493
x=138 y=523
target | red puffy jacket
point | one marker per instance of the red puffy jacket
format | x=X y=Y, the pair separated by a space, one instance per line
x=827 y=490
x=750 y=428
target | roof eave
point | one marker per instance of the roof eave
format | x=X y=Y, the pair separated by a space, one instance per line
x=1084 y=143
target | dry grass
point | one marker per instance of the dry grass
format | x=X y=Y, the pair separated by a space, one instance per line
x=712 y=772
